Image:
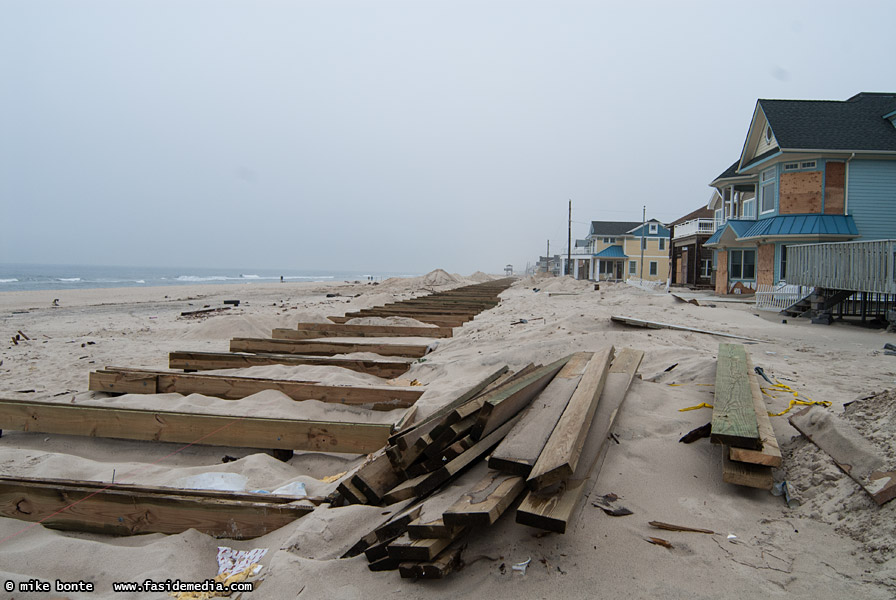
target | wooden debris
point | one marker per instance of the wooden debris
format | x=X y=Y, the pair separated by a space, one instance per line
x=304 y=331
x=671 y=527
x=187 y=428
x=448 y=561
x=746 y=474
x=485 y=502
x=326 y=348
x=205 y=361
x=854 y=454
x=517 y=453
x=770 y=454
x=404 y=548
x=660 y=542
x=116 y=509
x=734 y=415
x=657 y=325
x=560 y=455
x=204 y=311
x=695 y=434
x=553 y=510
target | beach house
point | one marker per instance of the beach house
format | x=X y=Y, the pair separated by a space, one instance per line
x=809 y=171
x=691 y=261
x=613 y=251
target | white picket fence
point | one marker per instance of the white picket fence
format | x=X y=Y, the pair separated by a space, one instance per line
x=780 y=296
x=653 y=286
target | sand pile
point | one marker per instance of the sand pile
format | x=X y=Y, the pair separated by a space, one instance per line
x=438 y=277
x=480 y=277
x=390 y=321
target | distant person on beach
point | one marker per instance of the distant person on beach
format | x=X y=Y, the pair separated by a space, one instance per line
x=281 y=279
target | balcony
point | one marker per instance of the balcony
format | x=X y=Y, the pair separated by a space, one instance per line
x=579 y=251
x=695 y=227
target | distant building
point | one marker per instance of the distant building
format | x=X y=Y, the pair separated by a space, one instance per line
x=809 y=171
x=548 y=264
x=612 y=251
x=691 y=262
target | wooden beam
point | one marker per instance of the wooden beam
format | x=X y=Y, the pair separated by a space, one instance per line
x=733 y=414
x=133 y=381
x=505 y=405
x=560 y=455
x=518 y=451
x=404 y=548
x=376 y=477
x=207 y=361
x=327 y=348
x=429 y=524
x=213 y=430
x=448 y=561
x=114 y=509
x=553 y=510
x=746 y=474
x=320 y=330
x=770 y=454
x=485 y=502
x=854 y=454
x=656 y=325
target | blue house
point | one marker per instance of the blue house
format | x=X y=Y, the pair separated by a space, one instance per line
x=809 y=171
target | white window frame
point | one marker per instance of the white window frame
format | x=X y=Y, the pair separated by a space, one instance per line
x=632 y=267
x=652 y=228
x=706 y=268
x=654 y=268
x=748 y=208
x=662 y=243
x=794 y=166
x=609 y=240
x=767 y=185
x=808 y=164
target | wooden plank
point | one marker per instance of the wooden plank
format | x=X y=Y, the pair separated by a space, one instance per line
x=486 y=501
x=213 y=430
x=319 y=330
x=328 y=348
x=351 y=493
x=518 y=451
x=854 y=454
x=560 y=455
x=746 y=474
x=429 y=524
x=120 y=380
x=733 y=414
x=658 y=325
x=206 y=361
x=438 y=321
x=376 y=477
x=770 y=454
x=553 y=510
x=420 y=486
x=69 y=505
x=505 y=405
x=398 y=523
x=404 y=548
x=448 y=561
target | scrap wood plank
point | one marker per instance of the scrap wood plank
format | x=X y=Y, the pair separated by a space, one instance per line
x=430 y=524
x=518 y=451
x=746 y=474
x=560 y=455
x=553 y=510
x=376 y=477
x=213 y=430
x=486 y=501
x=397 y=524
x=424 y=484
x=207 y=361
x=657 y=325
x=129 y=510
x=135 y=381
x=734 y=420
x=770 y=454
x=508 y=402
x=328 y=348
x=404 y=548
x=850 y=451
x=370 y=538
x=448 y=561
x=304 y=330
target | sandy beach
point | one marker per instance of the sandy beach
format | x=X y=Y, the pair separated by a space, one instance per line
x=833 y=542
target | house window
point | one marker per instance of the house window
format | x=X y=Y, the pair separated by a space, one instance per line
x=742 y=264
x=632 y=267
x=609 y=240
x=652 y=228
x=662 y=242
x=719 y=218
x=653 y=267
x=643 y=243
x=706 y=268
x=809 y=164
x=767 y=191
x=783 y=271
x=768 y=133
x=791 y=166
x=749 y=208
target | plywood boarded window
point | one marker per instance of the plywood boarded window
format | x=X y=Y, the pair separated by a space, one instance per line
x=834 y=179
x=800 y=193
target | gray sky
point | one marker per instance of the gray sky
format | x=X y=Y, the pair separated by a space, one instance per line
x=384 y=135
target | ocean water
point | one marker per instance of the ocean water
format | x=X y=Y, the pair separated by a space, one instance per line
x=14 y=277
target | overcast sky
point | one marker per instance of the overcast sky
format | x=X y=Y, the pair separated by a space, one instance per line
x=388 y=136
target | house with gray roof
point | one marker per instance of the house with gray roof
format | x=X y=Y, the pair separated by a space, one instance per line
x=613 y=251
x=809 y=171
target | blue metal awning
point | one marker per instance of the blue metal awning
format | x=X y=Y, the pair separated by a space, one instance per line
x=611 y=252
x=802 y=225
x=738 y=227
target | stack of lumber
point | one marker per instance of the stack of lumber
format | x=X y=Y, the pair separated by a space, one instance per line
x=740 y=422
x=546 y=427
x=451 y=308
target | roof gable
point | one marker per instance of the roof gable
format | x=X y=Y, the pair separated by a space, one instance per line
x=761 y=139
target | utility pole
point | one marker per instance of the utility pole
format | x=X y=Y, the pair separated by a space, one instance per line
x=643 y=225
x=569 y=243
x=547 y=264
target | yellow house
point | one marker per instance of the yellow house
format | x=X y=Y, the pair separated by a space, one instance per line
x=612 y=251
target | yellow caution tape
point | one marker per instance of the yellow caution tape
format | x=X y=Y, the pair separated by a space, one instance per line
x=701 y=405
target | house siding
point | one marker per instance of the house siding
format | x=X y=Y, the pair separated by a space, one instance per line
x=871 y=197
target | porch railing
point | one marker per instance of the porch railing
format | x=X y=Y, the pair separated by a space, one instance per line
x=694 y=227
x=780 y=296
x=860 y=266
